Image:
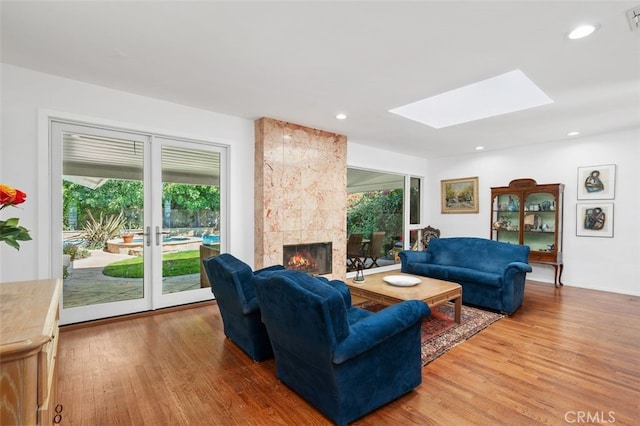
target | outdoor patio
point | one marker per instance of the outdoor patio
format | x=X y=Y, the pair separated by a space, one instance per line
x=86 y=285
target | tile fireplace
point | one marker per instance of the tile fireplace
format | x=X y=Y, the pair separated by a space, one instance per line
x=300 y=193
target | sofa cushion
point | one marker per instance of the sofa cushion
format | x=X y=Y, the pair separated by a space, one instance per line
x=476 y=253
x=428 y=270
x=457 y=273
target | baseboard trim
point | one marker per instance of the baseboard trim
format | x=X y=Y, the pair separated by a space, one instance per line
x=127 y=317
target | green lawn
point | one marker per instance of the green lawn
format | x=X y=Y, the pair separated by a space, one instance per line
x=173 y=264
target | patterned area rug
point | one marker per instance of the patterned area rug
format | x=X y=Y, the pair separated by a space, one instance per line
x=440 y=332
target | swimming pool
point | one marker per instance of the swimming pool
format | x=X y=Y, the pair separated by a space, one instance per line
x=208 y=240
x=165 y=239
x=177 y=243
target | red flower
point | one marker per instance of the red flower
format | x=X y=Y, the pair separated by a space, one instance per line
x=10 y=231
x=9 y=196
x=20 y=197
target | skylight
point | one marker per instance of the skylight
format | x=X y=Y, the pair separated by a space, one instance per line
x=503 y=94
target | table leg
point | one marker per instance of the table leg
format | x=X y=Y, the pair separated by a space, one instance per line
x=458 y=309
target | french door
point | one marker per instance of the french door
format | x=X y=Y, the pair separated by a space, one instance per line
x=136 y=213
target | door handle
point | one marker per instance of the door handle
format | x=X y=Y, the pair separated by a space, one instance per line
x=158 y=235
x=148 y=236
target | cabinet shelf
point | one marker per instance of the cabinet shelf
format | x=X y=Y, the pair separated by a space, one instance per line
x=530 y=214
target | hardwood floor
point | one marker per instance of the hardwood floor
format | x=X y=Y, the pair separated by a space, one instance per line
x=567 y=356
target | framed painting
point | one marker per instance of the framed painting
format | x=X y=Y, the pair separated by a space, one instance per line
x=597 y=182
x=594 y=220
x=459 y=195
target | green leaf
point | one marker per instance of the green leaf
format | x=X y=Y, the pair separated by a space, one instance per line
x=11 y=233
x=12 y=243
x=12 y=222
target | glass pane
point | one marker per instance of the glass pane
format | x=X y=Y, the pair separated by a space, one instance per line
x=414 y=208
x=540 y=221
x=375 y=204
x=102 y=208
x=506 y=218
x=414 y=239
x=191 y=216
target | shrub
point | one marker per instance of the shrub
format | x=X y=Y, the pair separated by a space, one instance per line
x=98 y=232
x=76 y=251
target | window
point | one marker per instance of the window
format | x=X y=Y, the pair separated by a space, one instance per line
x=376 y=203
x=414 y=201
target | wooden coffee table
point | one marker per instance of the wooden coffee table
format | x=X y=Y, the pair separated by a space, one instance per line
x=430 y=290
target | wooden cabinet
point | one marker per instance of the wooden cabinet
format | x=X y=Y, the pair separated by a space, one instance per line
x=530 y=214
x=29 y=316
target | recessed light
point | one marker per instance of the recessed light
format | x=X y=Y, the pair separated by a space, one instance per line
x=479 y=148
x=503 y=94
x=573 y=133
x=341 y=116
x=581 y=31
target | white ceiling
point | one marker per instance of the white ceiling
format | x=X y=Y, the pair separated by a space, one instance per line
x=303 y=62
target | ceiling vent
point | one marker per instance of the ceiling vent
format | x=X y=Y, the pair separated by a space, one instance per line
x=633 y=16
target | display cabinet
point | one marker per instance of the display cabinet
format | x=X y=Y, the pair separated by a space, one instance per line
x=530 y=214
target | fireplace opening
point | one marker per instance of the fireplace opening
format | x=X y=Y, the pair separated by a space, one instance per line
x=314 y=258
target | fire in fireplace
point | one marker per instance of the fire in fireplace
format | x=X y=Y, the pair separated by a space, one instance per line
x=314 y=258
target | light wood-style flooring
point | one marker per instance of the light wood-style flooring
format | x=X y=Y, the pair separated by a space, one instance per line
x=567 y=356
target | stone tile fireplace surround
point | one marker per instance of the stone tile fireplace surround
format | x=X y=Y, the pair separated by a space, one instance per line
x=300 y=191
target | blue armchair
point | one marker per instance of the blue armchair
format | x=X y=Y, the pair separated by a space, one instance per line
x=344 y=360
x=232 y=284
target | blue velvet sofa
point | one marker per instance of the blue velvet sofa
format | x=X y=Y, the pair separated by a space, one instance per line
x=491 y=273
x=232 y=283
x=345 y=361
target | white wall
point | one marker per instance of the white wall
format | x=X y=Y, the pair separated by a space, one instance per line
x=27 y=95
x=599 y=263
x=611 y=264
x=365 y=157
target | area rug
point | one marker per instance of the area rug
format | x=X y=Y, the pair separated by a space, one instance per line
x=440 y=332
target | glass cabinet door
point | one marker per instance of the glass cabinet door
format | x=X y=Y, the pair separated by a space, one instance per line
x=506 y=218
x=539 y=224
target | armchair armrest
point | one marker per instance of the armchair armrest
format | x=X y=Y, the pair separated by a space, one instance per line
x=410 y=256
x=251 y=306
x=414 y=255
x=377 y=328
x=517 y=267
x=269 y=268
x=343 y=290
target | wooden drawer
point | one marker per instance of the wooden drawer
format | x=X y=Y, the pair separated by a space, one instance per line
x=50 y=411
x=28 y=348
x=46 y=367
x=539 y=256
x=18 y=390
